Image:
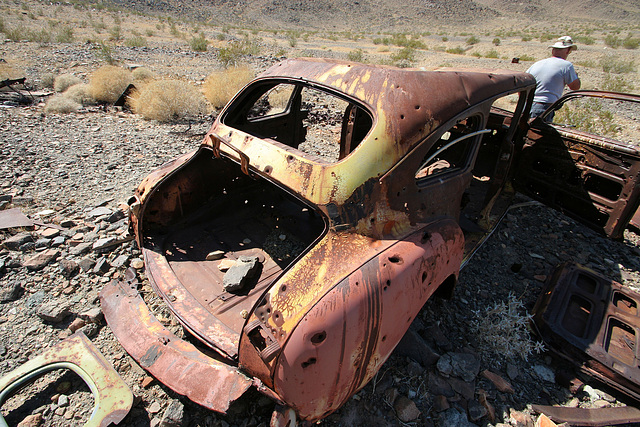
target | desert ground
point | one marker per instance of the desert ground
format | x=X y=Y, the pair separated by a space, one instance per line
x=76 y=170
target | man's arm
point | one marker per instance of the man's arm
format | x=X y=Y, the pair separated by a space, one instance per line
x=574 y=85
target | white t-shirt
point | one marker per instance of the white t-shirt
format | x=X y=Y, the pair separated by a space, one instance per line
x=552 y=74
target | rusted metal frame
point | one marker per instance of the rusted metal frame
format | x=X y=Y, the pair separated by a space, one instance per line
x=187 y=309
x=444 y=126
x=297 y=81
x=113 y=399
x=589 y=351
x=595 y=151
x=173 y=361
x=601 y=94
x=504 y=166
x=594 y=417
x=216 y=140
x=588 y=94
x=623 y=209
x=596 y=140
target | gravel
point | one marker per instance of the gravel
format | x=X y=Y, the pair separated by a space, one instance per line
x=76 y=171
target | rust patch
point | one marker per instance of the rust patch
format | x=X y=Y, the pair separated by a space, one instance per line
x=174 y=362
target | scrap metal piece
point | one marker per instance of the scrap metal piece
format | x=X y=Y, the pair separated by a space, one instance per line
x=594 y=417
x=14 y=218
x=9 y=82
x=122 y=99
x=593 y=322
x=113 y=399
x=176 y=363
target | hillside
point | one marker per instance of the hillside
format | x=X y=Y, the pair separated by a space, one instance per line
x=384 y=15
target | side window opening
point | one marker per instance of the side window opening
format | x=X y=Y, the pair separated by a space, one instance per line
x=323 y=126
x=447 y=155
x=275 y=101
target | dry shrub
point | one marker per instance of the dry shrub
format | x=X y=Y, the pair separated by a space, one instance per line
x=65 y=81
x=47 y=79
x=142 y=74
x=167 y=100
x=220 y=86
x=61 y=104
x=503 y=330
x=80 y=93
x=108 y=82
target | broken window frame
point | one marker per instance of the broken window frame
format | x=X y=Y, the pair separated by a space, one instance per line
x=237 y=115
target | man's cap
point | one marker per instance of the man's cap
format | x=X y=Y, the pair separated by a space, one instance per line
x=564 y=42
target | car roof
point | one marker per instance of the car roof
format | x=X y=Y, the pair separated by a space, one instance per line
x=413 y=96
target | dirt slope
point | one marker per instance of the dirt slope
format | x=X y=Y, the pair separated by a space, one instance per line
x=381 y=15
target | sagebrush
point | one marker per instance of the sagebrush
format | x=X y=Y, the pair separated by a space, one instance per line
x=167 y=100
x=65 y=81
x=107 y=83
x=220 y=86
x=142 y=74
x=80 y=93
x=61 y=104
x=503 y=330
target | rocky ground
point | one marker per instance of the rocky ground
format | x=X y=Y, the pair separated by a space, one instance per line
x=75 y=171
x=71 y=175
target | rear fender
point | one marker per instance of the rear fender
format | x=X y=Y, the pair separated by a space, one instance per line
x=345 y=338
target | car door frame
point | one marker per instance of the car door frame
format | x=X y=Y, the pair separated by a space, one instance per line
x=591 y=178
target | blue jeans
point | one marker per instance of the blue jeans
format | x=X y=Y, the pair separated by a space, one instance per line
x=540 y=107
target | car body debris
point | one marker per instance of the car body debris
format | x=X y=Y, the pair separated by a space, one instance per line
x=113 y=398
x=593 y=322
x=422 y=166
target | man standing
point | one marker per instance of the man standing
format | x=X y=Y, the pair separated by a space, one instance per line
x=552 y=74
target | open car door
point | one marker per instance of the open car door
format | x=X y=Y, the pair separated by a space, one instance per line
x=586 y=161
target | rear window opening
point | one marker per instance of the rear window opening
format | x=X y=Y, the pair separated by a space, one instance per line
x=321 y=125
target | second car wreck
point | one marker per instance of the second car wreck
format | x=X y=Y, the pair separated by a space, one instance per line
x=340 y=197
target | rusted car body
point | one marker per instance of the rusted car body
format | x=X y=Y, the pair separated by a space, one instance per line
x=349 y=240
x=582 y=169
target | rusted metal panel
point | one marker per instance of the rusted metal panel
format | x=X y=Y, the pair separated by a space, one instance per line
x=342 y=341
x=113 y=399
x=594 y=322
x=188 y=310
x=595 y=417
x=407 y=106
x=593 y=180
x=175 y=362
x=635 y=220
x=13 y=218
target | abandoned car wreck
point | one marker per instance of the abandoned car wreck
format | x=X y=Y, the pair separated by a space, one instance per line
x=297 y=268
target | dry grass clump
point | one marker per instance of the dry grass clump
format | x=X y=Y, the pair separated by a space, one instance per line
x=502 y=330
x=61 y=104
x=108 y=82
x=220 y=86
x=142 y=75
x=80 y=94
x=65 y=81
x=167 y=100
x=47 y=79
